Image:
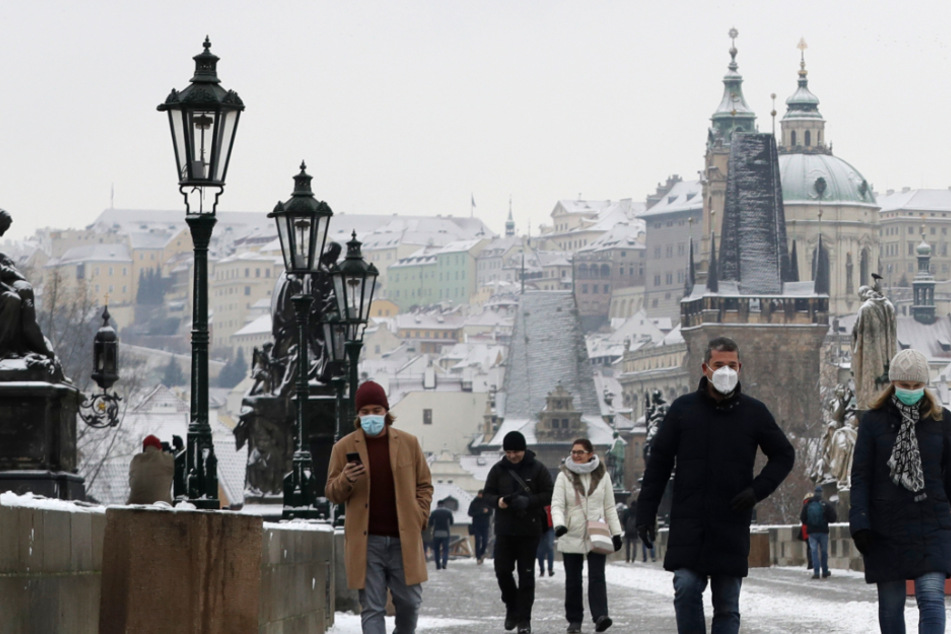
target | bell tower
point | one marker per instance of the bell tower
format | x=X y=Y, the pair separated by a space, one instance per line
x=732 y=115
x=802 y=127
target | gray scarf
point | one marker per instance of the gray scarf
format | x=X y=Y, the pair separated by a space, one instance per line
x=905 y=461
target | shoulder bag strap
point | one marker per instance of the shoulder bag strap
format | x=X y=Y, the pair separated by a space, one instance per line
x=521 y=482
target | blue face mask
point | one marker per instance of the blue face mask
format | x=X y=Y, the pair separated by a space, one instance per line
x=372 y=424
x=909 y=397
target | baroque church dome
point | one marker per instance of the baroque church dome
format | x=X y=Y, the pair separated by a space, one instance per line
x=822 y=178
x=810 y=173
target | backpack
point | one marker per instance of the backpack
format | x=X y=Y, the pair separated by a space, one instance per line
x=815 y=514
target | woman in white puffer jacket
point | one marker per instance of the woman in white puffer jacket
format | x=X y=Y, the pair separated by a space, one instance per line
x=583 y=491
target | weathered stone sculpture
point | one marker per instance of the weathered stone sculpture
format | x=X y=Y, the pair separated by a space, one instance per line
x=20 y=335
x=38 y=404
x=874 y=343
x=656 y=412
x=267 y=418
x=614 y=461
x=833 y=460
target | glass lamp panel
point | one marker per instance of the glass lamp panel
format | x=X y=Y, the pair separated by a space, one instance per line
x=369 y=285
x=321 y=226
x=340 y=295
x=303 y=229
x=227 y=124
x=176 y=119
x=201 y=129
x=283 y=234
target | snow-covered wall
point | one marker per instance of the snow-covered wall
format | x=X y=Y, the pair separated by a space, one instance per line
x=51 y=561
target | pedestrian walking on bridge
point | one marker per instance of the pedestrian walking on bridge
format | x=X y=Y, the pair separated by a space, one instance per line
x=383 y=477
x=713 y=435
x=584 y=494
x=519 y=486
x=899 y=517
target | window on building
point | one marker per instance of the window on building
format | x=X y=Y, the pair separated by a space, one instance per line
x=607 y=288
x=656 y=281
x=427 y=417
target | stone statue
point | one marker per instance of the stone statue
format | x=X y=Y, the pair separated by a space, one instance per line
x=833 y=460
x=20 y=335
x=874 y=343
x=840 y=454
x=654 y=417
x=614 y=461
x=267 y=421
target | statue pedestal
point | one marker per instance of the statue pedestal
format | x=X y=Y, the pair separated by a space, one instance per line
x=38 y=439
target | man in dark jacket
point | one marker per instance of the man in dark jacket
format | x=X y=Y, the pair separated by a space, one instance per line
x=520 y=487
x=713 y=435
x=629 y=521
x=816 y=514
x=441 y=521
x=481 y=513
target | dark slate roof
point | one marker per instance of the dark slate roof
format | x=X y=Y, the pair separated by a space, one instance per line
x=547 y=348
x=753 y=242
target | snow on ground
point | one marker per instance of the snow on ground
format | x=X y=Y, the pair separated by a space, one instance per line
x=776 y=600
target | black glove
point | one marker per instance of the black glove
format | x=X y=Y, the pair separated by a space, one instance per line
x=617 y=542
x=863 y=540
x=519 y=502
x=744 y=500
x=560 y=530
x=646 y=533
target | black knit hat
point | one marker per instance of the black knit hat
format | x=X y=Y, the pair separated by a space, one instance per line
x=513 y=441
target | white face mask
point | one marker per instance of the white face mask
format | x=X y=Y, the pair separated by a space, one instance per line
x=725 y=379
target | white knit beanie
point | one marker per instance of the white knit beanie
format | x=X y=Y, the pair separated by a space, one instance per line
x=909 y=365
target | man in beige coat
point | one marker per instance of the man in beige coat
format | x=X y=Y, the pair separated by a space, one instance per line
x=151 y=473
x=388 y=491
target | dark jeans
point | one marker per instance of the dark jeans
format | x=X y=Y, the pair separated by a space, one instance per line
x=516 y=552
x=546 y=550
x=574 y=590
x=441 y=551
x=630 y=548
x=481 y=534
x=688 y=602
x=819 y=547
x=929 y=593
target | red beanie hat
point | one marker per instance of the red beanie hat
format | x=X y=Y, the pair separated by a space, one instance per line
x=152 y=441
x=370 y=393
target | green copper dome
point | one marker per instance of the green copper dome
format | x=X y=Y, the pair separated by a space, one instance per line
x=822 y=178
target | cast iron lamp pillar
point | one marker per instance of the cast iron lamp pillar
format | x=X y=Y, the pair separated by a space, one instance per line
x=201 y=465
x=302 y=224
x=203 y=119
x=299 y=483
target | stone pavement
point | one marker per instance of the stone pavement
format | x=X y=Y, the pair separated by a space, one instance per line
x=464 y=599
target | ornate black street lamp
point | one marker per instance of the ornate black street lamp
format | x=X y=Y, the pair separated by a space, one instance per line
x=203 y=119
x=302 y=224
x=102 y=410
x=354 y=284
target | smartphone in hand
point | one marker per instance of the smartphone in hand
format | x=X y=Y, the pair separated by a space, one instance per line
x=353 y=456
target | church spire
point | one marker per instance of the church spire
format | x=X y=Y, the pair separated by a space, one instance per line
x=733 y=113
x=510 y=224
x=803 y=127
x=691 y=277
x=713 y=281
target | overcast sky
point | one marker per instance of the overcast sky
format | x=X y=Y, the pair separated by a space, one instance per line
x=411 y=107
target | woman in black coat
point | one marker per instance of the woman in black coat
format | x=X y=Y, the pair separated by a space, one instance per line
x=900 y=517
